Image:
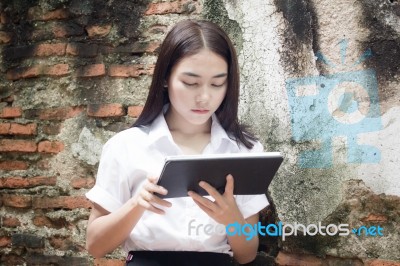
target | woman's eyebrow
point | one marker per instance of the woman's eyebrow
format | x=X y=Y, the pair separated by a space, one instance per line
x=198 y=76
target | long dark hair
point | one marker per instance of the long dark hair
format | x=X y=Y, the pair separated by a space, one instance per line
x=187 y=38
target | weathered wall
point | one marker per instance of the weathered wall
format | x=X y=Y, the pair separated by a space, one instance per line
x=72 y=74
x=322 y=77
x=319 y=83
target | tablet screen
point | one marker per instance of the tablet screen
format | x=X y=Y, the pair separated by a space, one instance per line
x=252 y=172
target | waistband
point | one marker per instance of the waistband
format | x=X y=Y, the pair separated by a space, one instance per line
x=177 y=258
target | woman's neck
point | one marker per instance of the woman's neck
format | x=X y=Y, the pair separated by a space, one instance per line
x=178 y=124
x=191 y=139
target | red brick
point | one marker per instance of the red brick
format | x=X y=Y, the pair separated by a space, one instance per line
x=176 y=7
x=4 y=19
x=17 y=129
x=125 y=71
x=5 y=129
x=42 y=34
x=5 y=37
x=10 y=112
x=375 y=218
x=79 y=182
x=378 y=262
x=14 y=145
x=145 y=47
x=50 y=146
x=12 y=259
x=36 y=71
x=105 y=110
x=297 y=260
x=44 y=221
x=17 y=201
x=94 y=70
x=13 y=165
x=27 y=182
x=138 y=47
x=98 y=30
x=56 y=70
x=108 y=262
x=5 y=241
x=82 y=49
x=61 y=113
x=64 y=202
x=135 y=111
x=155 y=29
x=27 y=240
x=11 y=222
x=18 y=52
x=46 y=49
x=328 y=260
x=65 y=243
x=8 y=99
x=63 y=30
x=36 y=13
x=23 y=72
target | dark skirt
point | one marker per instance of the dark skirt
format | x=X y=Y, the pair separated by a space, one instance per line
x=177 y=258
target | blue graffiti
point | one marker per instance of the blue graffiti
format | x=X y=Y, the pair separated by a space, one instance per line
x=342 y=104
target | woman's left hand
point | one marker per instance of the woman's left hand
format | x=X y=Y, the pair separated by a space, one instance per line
x=224 y=209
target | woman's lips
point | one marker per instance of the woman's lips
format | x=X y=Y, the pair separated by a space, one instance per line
x=200 y=111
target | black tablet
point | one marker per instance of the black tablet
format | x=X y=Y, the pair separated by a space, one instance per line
x=252 y=172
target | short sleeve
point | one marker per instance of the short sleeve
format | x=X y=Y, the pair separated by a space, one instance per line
x=111 y=189
x=251 y=204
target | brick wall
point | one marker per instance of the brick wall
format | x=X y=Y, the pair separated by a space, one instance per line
x=65 y=66
x=75 y=72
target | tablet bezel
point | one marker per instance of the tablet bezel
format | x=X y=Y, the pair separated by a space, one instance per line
x=183 y=173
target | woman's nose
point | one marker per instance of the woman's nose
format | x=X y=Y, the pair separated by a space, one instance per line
x=204 y=95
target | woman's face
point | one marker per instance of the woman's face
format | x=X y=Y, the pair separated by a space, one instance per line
x=196 y=87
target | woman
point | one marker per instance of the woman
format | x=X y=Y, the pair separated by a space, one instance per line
x=191 y=109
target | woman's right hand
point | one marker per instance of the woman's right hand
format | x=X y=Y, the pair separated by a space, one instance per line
x=148 y=200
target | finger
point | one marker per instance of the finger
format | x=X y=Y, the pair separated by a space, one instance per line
x=145 y=204
x=201 y=206
x=151 y=187
x=159 y=201
x=210 y=190
x=152 y=198
x=229 y=185
x=202 y=201
x=152 y=179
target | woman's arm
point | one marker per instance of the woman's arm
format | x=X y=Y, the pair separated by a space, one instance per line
x=245 y=248
x=106 y=231
x=224 y=210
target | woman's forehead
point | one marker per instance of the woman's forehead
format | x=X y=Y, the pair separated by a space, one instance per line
x=203 y=63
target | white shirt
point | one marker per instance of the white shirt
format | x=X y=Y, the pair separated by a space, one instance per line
x=132 y=155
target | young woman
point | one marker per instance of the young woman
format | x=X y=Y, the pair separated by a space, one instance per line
x=191 y=109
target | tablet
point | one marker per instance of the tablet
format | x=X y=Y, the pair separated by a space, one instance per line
x=252 y=172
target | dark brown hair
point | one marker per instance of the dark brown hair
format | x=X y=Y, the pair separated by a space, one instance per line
x=186 y=38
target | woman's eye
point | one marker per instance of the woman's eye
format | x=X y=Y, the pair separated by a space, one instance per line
x=218 y=85
x=190 y=84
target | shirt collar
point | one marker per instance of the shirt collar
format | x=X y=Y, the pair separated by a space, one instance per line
x=219 y=136
x=159 y=130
